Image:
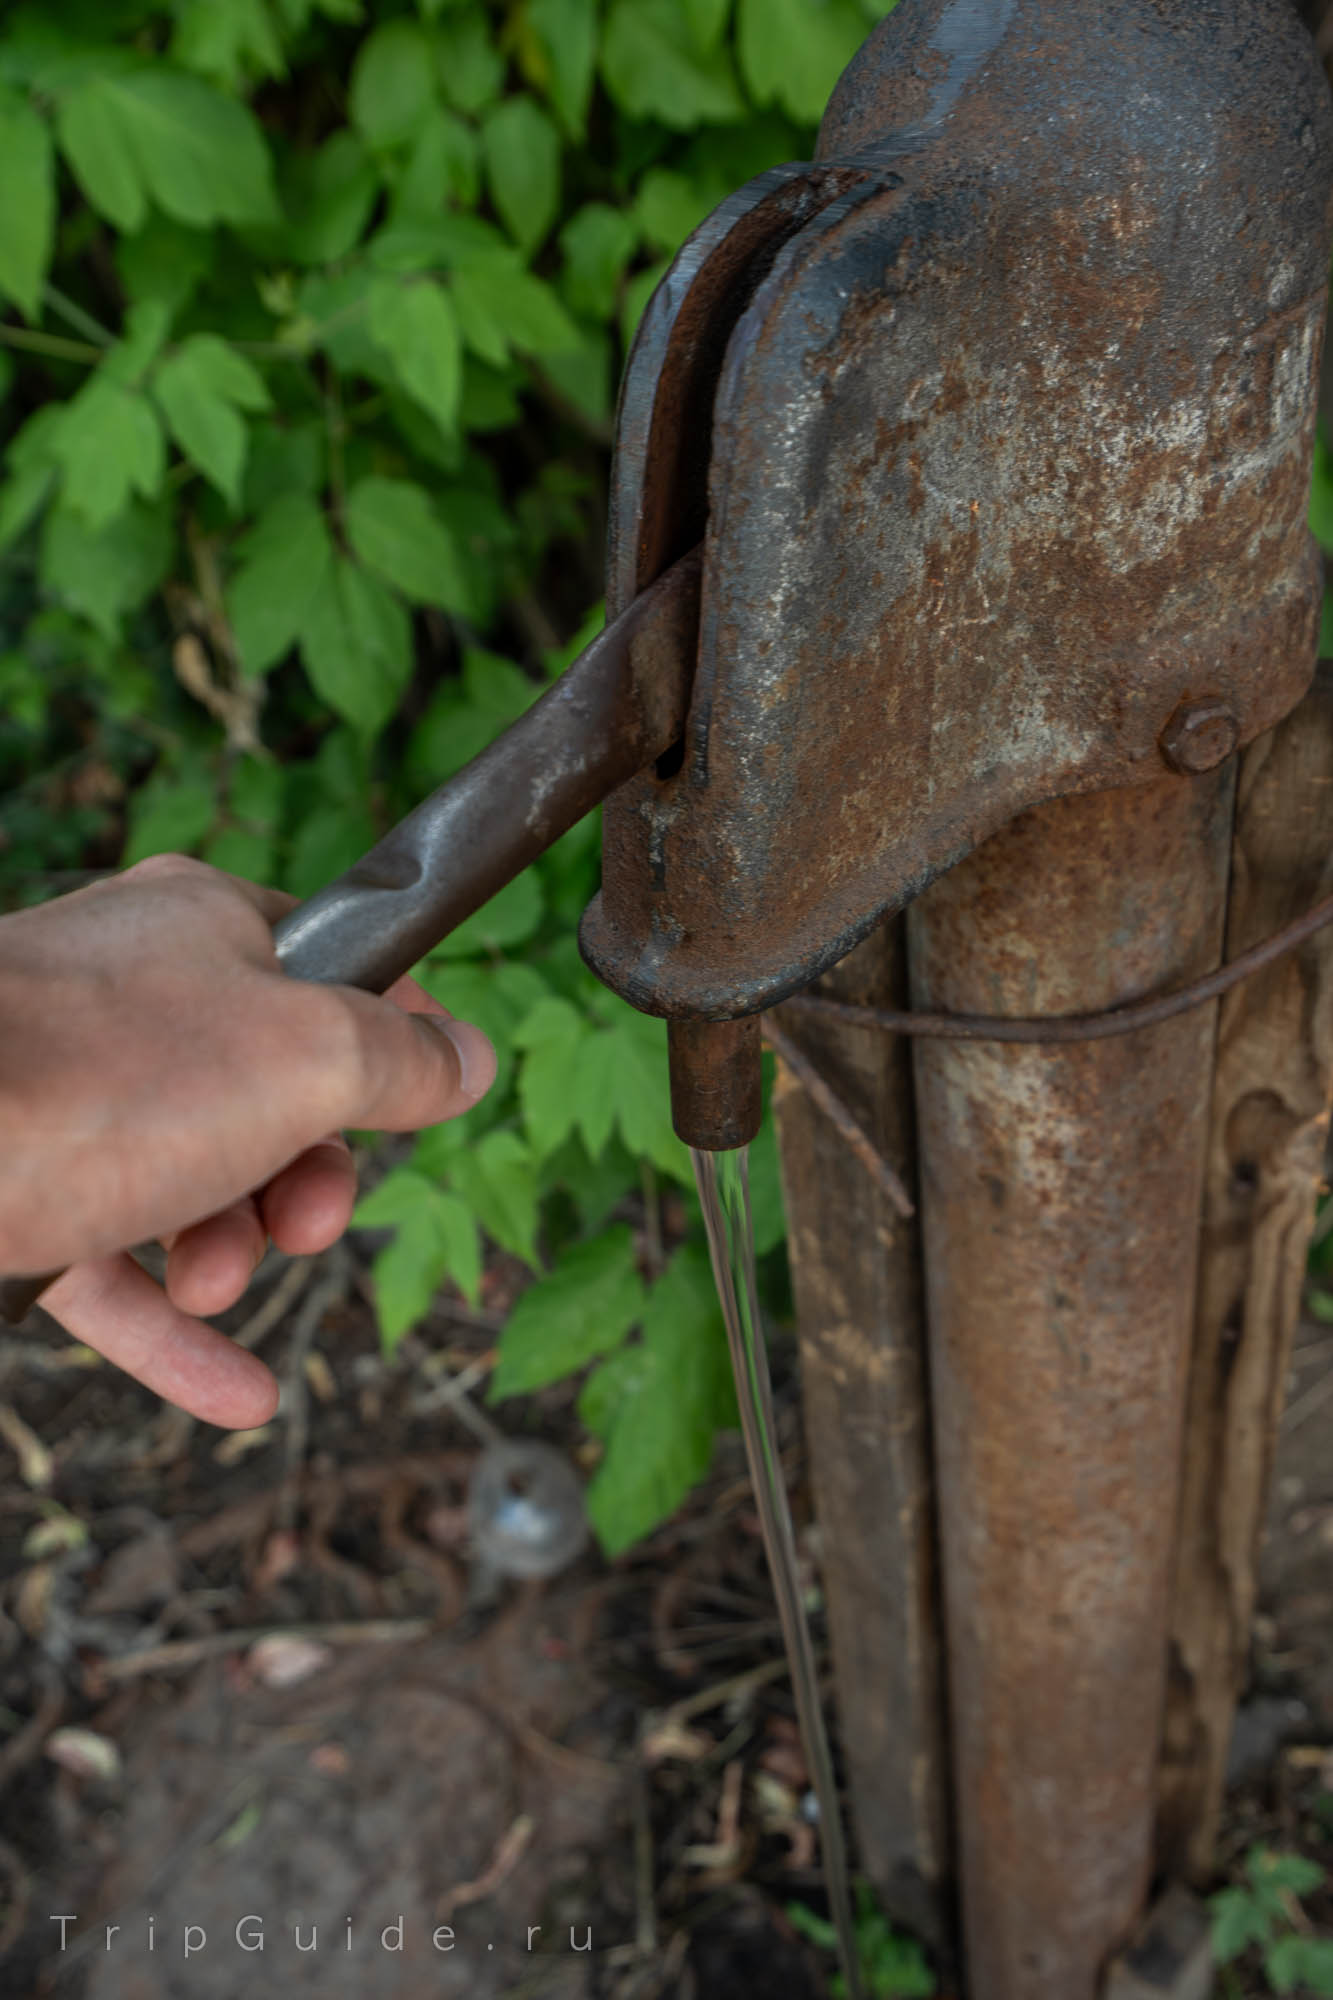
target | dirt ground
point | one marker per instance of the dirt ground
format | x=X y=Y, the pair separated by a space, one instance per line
x=320 y=1763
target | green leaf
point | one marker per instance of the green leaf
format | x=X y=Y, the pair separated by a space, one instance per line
x=470 y=68
x=637 y=294
x=1306 y=1962
x=498 y=1181
x=566 y=35
x=818 y=1929
x=164 y=261
x=652 y=68
x=585 y=376
x=105 y=572
x=550 y=1038
x=356 y=642
x=395 y=532
x=637 y=1084
x=283 y=458
x=401 y=1197
x=286 y=564
x=437 y=1238
x=416 y=326
x=444 y=163
x=93 y=137
x=495 y=997
x=521 y=148
x=460 y=721
x=794 y=51
x=330 y=195
x=325 y=844
x=1293 y=1872
x=142 y=334
x=707 y=20
x=23 y=496
x=109 y=447
x=240 y=851
x=169 y=814
x=392 y=85
x=200 y=389
x=611 y=1384
x=501 y=306
x=581 y=1309
x=510 y=918
x=597 y=244
x=155 y=132
x=1237 y=1922
x=664 y=1414
x=594 y=1104
x=28 y=214
x=227 y=42
x=670 y=206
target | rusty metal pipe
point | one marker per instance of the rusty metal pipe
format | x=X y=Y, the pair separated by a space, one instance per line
x=717 y=1083
x=619 y=706
x=1060 y=1194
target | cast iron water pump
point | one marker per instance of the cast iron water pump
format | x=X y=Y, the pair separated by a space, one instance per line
x=958 y=471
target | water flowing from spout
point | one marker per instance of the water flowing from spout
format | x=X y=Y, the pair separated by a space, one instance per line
x=724 y=1191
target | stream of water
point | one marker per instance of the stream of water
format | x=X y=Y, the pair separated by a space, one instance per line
x=724 y=1191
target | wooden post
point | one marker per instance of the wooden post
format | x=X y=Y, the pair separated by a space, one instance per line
x=857 y=1278
x=1269 y=1125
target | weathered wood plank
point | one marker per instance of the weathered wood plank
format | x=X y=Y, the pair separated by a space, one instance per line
x=1268 y=1132
x=857 y=1281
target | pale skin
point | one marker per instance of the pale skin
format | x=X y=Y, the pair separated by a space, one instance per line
x=161 y=1077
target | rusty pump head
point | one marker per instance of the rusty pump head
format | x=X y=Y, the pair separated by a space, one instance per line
x=996 y=424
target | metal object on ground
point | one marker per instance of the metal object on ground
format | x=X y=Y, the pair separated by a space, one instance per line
x=1060 y=1196
x=525 y=1509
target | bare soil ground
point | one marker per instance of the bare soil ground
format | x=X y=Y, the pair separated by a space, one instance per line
x=444 y=1796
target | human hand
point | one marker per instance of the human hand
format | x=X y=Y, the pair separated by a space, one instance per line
x=162 y=1077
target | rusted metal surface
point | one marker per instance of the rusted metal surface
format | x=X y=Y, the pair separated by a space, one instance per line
x=614 y=710
x=717 y=1084
x=1266 y=1149
x=856 y=1276
x=1060 y=1194
x=659 y=479
x=1009 y=460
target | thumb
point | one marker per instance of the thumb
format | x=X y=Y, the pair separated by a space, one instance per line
x=418 y=1068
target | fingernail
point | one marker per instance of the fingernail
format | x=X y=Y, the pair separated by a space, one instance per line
x=476 y=1057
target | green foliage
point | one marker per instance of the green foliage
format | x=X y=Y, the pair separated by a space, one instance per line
x=311 y=318
x=1263 y=1913
x=893 y=1966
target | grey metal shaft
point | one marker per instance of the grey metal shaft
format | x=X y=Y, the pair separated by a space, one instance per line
x=620 y=705
x=1060 y=1192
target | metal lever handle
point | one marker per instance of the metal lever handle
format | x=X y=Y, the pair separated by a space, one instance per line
x=614 y=710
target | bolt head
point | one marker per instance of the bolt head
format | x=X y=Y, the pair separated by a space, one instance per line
x=1200 y=736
